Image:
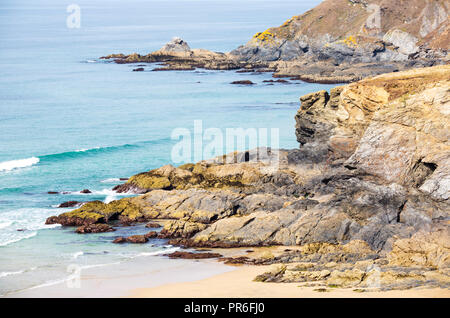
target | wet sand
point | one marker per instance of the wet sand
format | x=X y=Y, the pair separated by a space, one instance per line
x=239 y=283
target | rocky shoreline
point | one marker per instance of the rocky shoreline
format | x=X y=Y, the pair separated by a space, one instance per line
x=365 y=198
x=178 y=56
x=339 y=41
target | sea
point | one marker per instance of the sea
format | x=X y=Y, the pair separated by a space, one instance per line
x=70 y=121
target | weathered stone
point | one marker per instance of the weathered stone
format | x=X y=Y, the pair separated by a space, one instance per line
x=94 y=228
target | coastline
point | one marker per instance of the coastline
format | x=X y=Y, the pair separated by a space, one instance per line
x=116 y=280
x=239 y=283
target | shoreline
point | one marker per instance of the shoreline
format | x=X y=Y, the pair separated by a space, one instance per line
x=116 y=280
x=239 y=283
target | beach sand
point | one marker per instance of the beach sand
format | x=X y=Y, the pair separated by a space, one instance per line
x=239 y=283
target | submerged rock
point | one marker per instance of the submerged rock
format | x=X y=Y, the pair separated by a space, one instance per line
x=243 y=82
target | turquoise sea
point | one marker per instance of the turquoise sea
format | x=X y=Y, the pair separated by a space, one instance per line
x=69 y=121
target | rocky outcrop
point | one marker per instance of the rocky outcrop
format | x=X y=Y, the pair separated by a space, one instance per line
x=355 y=32
x=94 y=228
x=339 y=41
x=136 y=239
x=177 y=55
x=369 y=185
x=70 y=204
x=244 y=82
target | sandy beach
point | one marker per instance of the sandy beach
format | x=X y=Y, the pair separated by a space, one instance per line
x=239 y=283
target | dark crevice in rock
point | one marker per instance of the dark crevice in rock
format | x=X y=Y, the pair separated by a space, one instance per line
x=420 y=173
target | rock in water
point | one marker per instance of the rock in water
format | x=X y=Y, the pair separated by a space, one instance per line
x=94 y=228
x=176 y=45
x=69 y=204
x=244 y=82
x=151 y=234
x=139 y=239
x=152 y=225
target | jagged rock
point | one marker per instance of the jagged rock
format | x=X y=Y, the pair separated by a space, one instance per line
x=243 y=82
x=176 y=45
x=99 y=212
x=138 y=239
x=362 y=32
x=94 y=228
x=78 y=218
x=69 y=204
x=85 y=191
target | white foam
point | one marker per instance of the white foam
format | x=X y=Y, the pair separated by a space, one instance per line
x=51 y=283
x=17 y=239
x=4 y=274
x=165 y=251
x=5 y=224
x=98 y=265
x=110 y=198
x=105 y=192
x=77 y=254
x=29 y=220
x=17 y=164
x=111 y=180
x=86 y=149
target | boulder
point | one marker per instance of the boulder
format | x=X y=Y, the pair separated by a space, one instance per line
x=69 y=204
x=94 y=228
x=243 y=82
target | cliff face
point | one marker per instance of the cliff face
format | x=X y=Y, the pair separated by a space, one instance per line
x=368 y=187
x=357 y=31
x=395 y=126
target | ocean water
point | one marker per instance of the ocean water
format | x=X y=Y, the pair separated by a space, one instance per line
x=69 y=121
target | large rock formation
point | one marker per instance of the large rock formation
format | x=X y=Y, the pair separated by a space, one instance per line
x=338 y=41
x=357 y=31
x=370 y=183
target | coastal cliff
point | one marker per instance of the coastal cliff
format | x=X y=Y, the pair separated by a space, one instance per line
x=339 y=41
x=365 y=196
